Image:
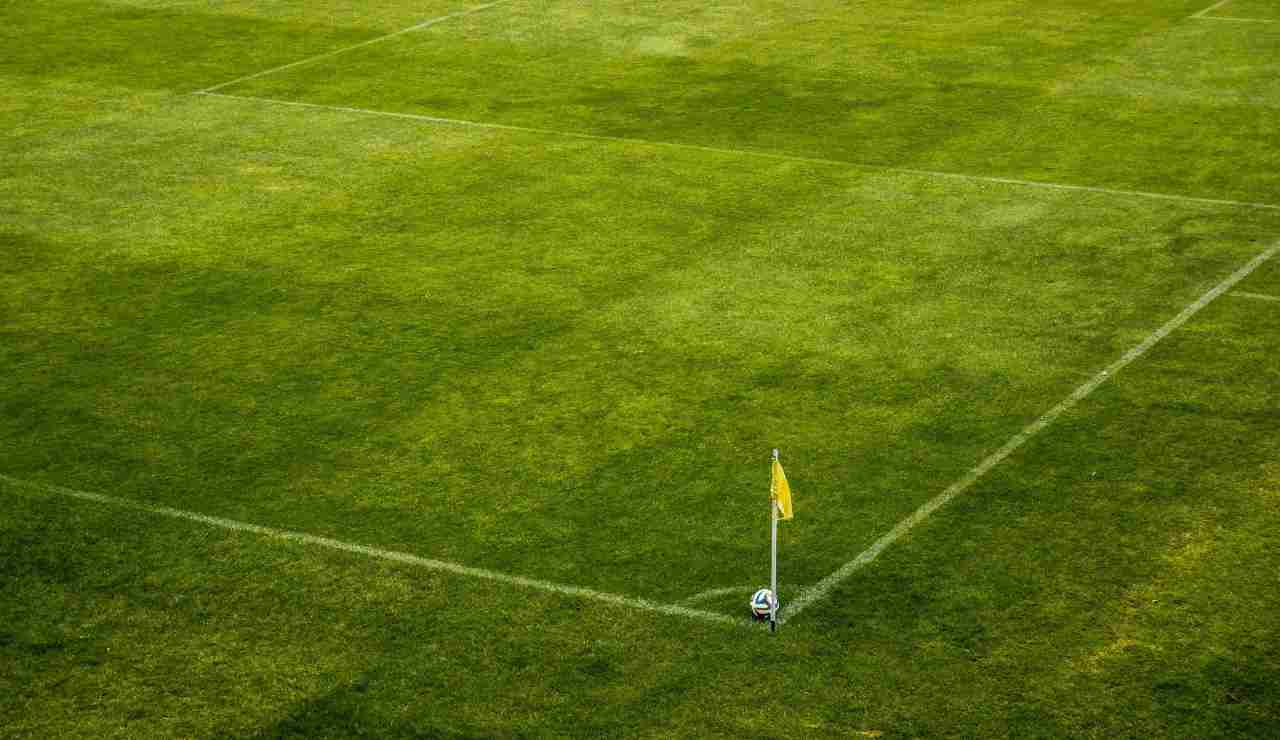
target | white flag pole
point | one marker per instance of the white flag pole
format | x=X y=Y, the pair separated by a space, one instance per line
x=773 y=548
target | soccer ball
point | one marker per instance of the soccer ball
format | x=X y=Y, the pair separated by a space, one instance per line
x=762 y=603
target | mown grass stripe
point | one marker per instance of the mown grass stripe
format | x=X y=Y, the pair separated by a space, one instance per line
x=824 y=587
x=747 y=153
x=362 y=44
x=392 y=555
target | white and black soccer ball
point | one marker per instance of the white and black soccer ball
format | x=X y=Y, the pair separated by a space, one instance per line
x=763 y=602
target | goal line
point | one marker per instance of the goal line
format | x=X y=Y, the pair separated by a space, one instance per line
x=631 y=602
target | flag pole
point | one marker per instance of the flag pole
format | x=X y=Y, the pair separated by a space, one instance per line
x=773 y=551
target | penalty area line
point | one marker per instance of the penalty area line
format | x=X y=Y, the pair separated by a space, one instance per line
x=825 y=586
x=1210 y=9
x=759 y=154
x=1204 y=15
x=425 y=24
x=1256 y=296
x=457 y=569
x=1233 y=19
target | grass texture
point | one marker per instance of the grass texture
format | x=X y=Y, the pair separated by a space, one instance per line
x=537 y=288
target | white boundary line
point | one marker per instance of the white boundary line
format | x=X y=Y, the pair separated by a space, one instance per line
x=178 y=4
x=1256 y=296
x=1210 y=9
x=392 y=555
x=714 y=592
x=362 y=44
x=1204 y=15
x=824 y=587
x=802 y=602
x=744 y=152
x=1235 y=20
x=711 y=593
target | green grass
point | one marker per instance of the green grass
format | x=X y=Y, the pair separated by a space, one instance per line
x=979 y=87
x=568 y=359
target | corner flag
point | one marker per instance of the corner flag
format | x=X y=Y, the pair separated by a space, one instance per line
x=780 y=491
x=779 y=508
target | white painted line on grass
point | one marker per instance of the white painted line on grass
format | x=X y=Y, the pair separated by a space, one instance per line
x=712 y=593
x=1211 y=8
x=1204 y=15
x=824 y=587
x=1236 y=20
x=1256 y=296
x=392 y=555
x=745 y=152
x=1089 y=189
x=179 y=3
x=362 y=44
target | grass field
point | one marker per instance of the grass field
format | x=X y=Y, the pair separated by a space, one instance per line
x=412 y=369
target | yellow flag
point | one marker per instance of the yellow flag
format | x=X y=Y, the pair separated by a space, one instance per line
x=780 y=491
